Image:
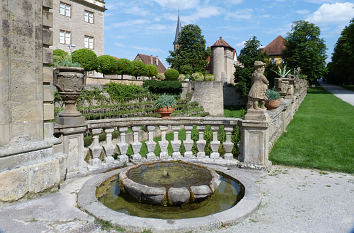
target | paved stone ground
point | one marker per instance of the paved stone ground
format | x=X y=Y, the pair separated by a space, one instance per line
x=340 y=92
x=294 y=200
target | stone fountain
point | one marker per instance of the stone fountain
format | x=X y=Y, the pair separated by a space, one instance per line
x=169 y=183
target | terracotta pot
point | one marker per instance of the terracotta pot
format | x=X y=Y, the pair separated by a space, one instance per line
x=165 y=112
x=272 y=104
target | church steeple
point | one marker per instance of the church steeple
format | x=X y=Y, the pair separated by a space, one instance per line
x=178 y=31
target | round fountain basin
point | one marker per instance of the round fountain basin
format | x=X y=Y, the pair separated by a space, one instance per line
x=169 y=183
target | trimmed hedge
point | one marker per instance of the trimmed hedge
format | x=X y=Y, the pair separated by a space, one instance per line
x=171 y=74
x=86 y=58
x=160 y=87
x=107 y=64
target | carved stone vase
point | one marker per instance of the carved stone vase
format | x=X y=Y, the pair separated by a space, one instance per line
x=70 y=82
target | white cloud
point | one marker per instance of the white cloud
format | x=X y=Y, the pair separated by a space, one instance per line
x=333 y=13
x=302 y=12
x=135 y=10
x=178 y=4
x=322 y=1
x=128 y=23
x=241 y=44
x=146 y=49
x=202 y=12
x=119 y=44
x=240 y=14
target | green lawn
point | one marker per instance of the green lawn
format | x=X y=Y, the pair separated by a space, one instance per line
x=349 y=87
x=321 y=135
x=234 y=111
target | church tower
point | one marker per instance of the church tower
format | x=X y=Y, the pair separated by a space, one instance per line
x=178 y=32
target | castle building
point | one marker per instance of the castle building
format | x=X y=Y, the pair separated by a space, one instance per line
x=222 y=61
x=178 y=32
x=275 y=50
x=78 y=24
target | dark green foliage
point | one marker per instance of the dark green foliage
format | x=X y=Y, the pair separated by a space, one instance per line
x=191 y=51
x=122 y=92
x=341 y=69
x=320 y=136
x=169 y=87
x=87 y=58
x=270 y=73
x=186 y=69
x=151 y=70
x=124 y=66
x=139 y=68
x=90 y=95
x=248 y=55
x=305 y=49
x=171 y=74
x=107 y=64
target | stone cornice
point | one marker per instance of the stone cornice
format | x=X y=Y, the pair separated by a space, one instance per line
x=96 y=4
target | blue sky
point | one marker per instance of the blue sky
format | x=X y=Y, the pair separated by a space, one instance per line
x=148 y=26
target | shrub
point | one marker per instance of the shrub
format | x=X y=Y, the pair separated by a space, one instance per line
x=124 y=66
x=151 y=71
x=67 y=62
x=160 y=77
x=139 y=68
x=122 y=92
x=59 y=55
x=171 y=74
x=107 y=64
x=198 y=76
x=186 y=69
x=87 y=58
x=209 y=77
x=160 y=87
x=165 y=101
x=272 y=94
x=181 y=77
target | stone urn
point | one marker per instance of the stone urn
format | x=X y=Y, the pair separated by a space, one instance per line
x=165 y=112
x=70 y=82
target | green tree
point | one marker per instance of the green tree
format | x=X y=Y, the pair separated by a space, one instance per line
x=171 y=74
x=107 y=64
x=59 y=55
x=124 y=66
x=305 y=49
x=341 y=69
x=191 y=50
x=152 y=70
x=248 y=55
x=139 y=68
x=86 y=58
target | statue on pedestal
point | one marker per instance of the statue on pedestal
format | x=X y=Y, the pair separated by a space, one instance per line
x=259 y=88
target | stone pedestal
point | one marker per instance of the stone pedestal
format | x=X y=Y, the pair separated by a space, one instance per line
x=257 y=115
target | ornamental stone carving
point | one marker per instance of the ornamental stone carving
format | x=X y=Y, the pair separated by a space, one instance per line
x=259 y=88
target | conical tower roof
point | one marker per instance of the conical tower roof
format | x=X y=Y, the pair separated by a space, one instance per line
x=178 y=29
x=222 y=43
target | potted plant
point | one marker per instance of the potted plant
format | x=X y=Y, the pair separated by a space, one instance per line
x=165 y=105
x=282 y=72
x=273 y=101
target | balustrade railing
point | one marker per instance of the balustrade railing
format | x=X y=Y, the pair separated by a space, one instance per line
x=101 y=153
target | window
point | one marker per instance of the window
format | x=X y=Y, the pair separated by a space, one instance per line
x=89 y=42
x=88 y=16
x=65 y=37
x=65 y=9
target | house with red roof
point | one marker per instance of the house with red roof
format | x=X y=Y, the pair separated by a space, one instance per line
x=275 y=50
x=151 y=60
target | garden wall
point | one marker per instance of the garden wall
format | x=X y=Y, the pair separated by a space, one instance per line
x=100 y=82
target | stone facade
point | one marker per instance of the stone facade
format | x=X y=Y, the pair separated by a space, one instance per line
x=76 y=25
x=222 y=61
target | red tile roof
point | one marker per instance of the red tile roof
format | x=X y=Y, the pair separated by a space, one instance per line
x=155 y=61
x=276 y=47
x=222 y=43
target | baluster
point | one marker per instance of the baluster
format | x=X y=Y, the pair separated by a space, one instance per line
x=188 y=143
x=136 y=145
x=96 y=148
x=176 y=143
x=151 y=144
x=201 y=142
x=228 y=144
x=123 y=145
x=109 y=147
x=163 y=143
x=215 y=143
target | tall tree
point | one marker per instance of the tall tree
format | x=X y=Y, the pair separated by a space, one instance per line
x=248 y=55
x=305 y=49
x=341 y=69
x=191 y=51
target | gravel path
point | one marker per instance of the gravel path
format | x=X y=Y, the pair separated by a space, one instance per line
x=294 y=200
x=340 y=92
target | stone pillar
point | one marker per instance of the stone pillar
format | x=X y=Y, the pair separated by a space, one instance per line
x=109 y=147
x=123 y=145
x=254 y=142
x=201 y=143
x=136 y=145
x=164 y=144
x=96 y=149
x=151 y=144
x=228 y=144
x=215 y=143
x=176 y=143
x=188 y=143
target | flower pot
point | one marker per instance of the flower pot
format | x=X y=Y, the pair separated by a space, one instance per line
x=165 y=112
x=272 y=104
